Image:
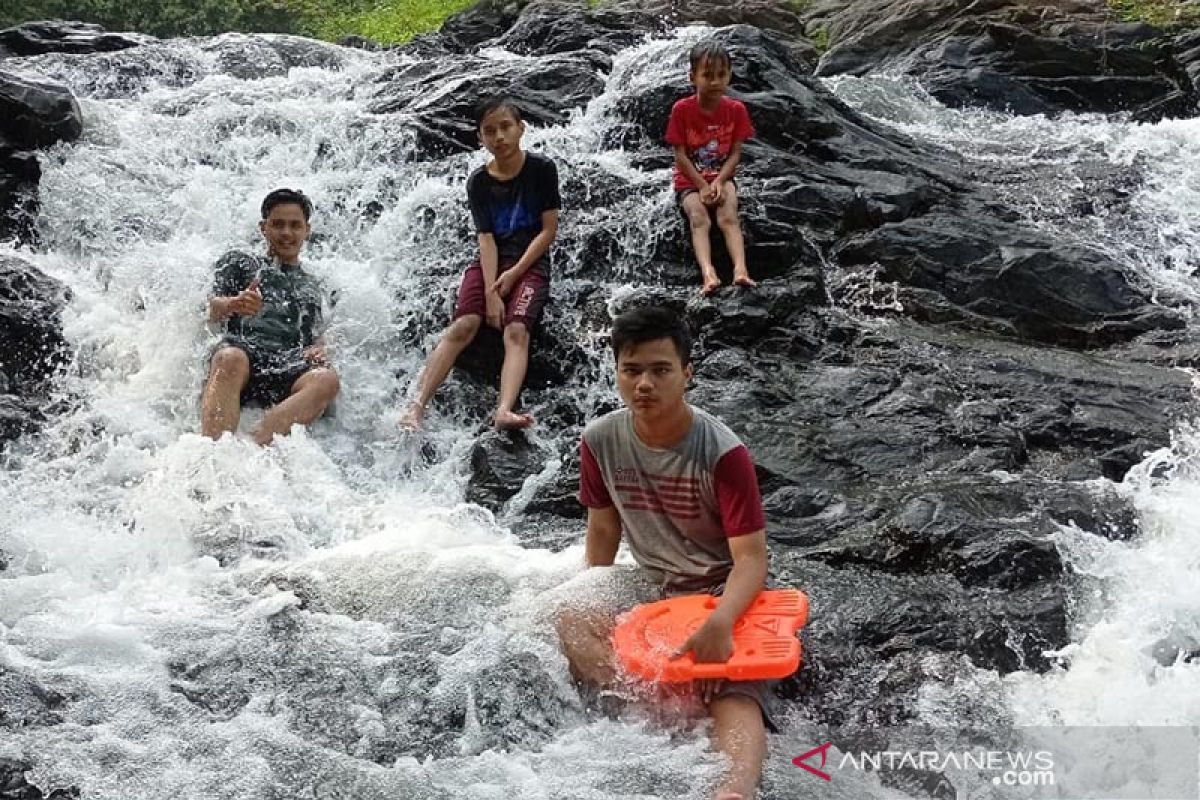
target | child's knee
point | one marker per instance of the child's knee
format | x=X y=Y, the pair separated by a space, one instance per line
x=516 y=334
x=463 y=329
x=698 y=219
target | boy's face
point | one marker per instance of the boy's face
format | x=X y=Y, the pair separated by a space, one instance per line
x=501 y=133
x=711 y=77
x=285 y=229
x=652 y=379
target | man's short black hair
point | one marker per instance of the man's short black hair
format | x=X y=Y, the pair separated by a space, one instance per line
x=709 y=50
x=281 y=197
x=648 y=323
x=496 y=104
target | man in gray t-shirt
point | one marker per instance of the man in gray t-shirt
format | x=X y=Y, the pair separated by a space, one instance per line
x=680 y=487
x=270 y=311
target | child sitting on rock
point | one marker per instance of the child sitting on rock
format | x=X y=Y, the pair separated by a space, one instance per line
x=707 y=130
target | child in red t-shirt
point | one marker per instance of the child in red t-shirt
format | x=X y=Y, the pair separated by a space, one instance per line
x=707 y=131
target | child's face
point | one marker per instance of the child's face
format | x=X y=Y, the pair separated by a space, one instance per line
x=501 y=133
x=285 y=230
x=711 y=77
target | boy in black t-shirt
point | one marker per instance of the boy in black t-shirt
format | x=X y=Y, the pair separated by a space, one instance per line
x=514 y=203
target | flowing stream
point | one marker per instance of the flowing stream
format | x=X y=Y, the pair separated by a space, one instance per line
x=326 y=617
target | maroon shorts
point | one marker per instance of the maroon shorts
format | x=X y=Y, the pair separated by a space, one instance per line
x=524 y=303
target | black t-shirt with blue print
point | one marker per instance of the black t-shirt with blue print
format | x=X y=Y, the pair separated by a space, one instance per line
x=511 y=210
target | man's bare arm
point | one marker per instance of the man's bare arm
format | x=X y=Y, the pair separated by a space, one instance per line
x=603 y=536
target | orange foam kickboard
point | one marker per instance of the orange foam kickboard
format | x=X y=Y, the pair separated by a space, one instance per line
x=764 y=638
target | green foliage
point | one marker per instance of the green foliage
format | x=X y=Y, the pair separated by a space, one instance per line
x=1169 y=14
x=820 y=39
x=387 y=21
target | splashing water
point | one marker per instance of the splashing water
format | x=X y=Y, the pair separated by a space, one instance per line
x=326 y=617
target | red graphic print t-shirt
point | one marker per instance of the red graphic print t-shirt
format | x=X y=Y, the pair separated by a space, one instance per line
x=707 y=137
x=679 y=506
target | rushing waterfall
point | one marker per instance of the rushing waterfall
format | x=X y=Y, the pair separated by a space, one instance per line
x=327 y=617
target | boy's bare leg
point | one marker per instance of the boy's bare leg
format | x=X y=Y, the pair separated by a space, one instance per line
x=731 y=227
x=438 y=366
x=221 y=403
x=740 y=735
x=311 y=395
x=701 y=225
x=512 y=375
x=586 y=642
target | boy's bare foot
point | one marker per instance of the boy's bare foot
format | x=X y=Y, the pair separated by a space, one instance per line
x=508 y=421
x=729 y=796
x=711 y=284
x=412 y=419
x=744 y=279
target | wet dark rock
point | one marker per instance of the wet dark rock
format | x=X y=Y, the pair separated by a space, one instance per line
x=32 y=347
x=770 y=15
x=36 y=114
x=1032 y=287
x=30 y=311
x=443 y=122
x=252 y=57
x=57 y=36
x=500 y=463
x=483 y=21
x=14 y=786
x=19 y=177
x=546 y=28
x=18 y=416
x=1041 y=58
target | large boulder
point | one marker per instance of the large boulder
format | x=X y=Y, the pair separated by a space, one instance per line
x=437 y=99
x=58 y=36
x=35 y=114
x=1027 y=58
x=31 y=340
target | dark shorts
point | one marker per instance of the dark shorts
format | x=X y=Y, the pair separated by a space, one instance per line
x=524 y=304
x=272 y=374
x=680 y=194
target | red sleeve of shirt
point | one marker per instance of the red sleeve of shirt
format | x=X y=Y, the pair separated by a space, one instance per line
x=677 y=125
x=742 y=128
x=592 y=491
x=737 y=493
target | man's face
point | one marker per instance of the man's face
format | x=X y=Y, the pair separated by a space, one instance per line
x=652 y=379
x=501 y=133
x=711 y=77
x=285 y=229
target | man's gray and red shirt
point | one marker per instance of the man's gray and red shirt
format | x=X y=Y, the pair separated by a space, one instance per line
x=679 y=506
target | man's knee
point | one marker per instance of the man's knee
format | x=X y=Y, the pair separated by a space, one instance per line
x=324 y=382
x=229 y=363
x=516 y=335
x=463 y=329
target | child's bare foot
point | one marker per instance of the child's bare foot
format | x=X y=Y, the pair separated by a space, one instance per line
x=412 y=419
x=508 y=421
x=711 y=284
x=744 y=279
x=729 y=796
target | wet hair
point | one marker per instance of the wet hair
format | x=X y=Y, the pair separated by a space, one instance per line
x=709 y=50
x=496 y=104
x=648 y=323
x=281 y=197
